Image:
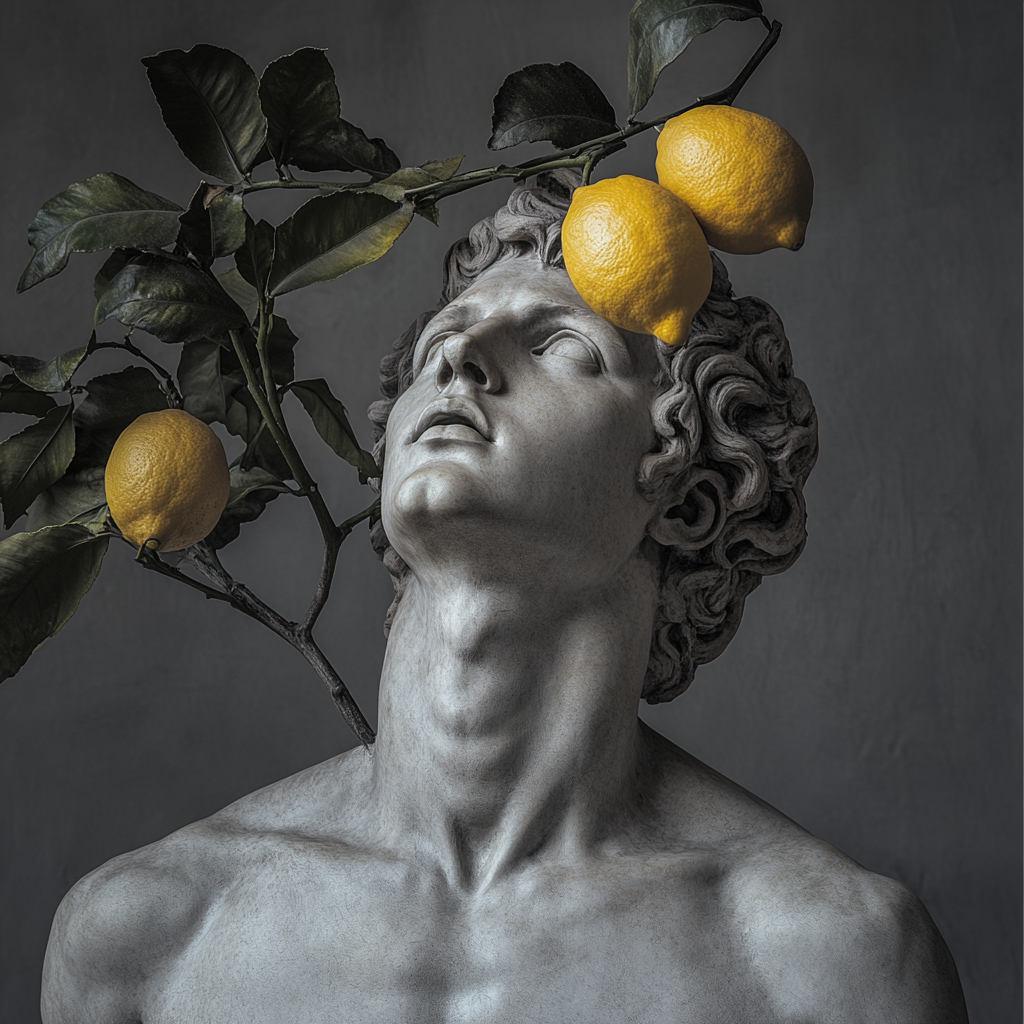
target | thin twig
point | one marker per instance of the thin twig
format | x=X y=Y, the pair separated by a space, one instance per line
x=205 y=561
x=127 y=346
x=150 y=560
x=330 y=563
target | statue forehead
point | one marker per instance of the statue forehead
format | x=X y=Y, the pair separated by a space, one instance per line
x=518 y=283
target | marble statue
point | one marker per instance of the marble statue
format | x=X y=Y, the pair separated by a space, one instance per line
x=573 y=517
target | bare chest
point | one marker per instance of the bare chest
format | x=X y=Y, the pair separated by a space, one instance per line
x=311 y=946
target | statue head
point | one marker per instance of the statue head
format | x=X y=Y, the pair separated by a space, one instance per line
x=735 y=437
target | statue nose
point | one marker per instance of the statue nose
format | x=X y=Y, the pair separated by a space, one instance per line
x=462 y=357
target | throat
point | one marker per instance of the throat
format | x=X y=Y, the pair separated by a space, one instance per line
x=508 y=730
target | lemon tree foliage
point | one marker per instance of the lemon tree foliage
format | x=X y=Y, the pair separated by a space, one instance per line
x=205 y=277
x=40 y=375
x=43 y=576
x=17 y=396
x=304 y=124
x=170 y=298
x=659 y=31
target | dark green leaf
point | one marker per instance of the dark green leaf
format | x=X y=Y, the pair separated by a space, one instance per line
x=213 y=225
x=54 y=375
x=442 y=170
x=659 y=31
x=255 y=257
x=77 y=496
x=34 y=459
x=110 y=269
x=204 y=391
x=251 y=490
x=43 y=577
x=280 y=346
x=16 y=396
x=331 y=235
x=262 y=156
x=105 y=211
x=208 y=97
x=300 y=101
x=394 y=186
x=344 y=147
x=114 y=400
x=173 y=301
x=241 y=291
x=244 y=420
x=245 y=481
x=556 y=103
x=331 y=421
x=438 y=170
x=429 y=212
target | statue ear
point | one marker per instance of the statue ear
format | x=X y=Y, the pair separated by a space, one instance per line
x=695 y=512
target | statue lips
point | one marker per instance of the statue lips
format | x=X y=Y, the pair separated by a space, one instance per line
x=453 y=411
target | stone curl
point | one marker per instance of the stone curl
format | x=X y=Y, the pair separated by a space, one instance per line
x=727 y=402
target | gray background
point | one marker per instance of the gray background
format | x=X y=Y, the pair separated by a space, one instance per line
x=873 y=691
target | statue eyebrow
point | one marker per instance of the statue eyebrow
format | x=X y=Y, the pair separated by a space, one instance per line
x=542 y=314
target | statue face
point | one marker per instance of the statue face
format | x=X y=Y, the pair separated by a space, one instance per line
x=516 y=448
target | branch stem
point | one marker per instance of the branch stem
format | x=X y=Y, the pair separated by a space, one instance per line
x=150 y=560
x=127 y=346
x=205 y=560
x=269 y=406
x=300 y=636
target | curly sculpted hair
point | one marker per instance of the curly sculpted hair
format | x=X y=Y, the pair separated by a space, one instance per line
x=727 y=402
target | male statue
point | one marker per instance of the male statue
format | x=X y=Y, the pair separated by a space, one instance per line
x=573 y=516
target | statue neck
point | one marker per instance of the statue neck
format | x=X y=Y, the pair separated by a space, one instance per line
x=508 y=724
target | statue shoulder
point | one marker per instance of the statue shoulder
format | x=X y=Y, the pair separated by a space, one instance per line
x=817 y=931
x=123 y=922
x=824 y=933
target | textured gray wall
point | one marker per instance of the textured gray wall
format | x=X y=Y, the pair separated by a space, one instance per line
x=873 y=691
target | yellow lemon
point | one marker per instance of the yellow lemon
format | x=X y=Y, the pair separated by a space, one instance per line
x=746 y=178
x=637 y=257
x=167 y=480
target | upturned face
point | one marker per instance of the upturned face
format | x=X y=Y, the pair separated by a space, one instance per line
x=516 y=448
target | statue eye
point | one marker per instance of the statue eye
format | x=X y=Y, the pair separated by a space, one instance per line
x=573 y=347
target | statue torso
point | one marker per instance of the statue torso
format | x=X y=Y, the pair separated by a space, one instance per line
x=290 y=907
x=310 y=933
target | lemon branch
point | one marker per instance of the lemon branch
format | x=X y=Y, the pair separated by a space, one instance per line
x=265 y=393
x=332 y=534
x=585 y=155
x=269 y=405
x=204 y=560
x=149 y=559
x=299 y=635
x=323 y=587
